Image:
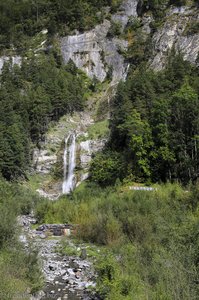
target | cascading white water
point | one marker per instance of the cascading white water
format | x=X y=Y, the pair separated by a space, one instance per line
x=69 y=164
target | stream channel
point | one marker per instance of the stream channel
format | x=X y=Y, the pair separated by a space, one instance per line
x=65 y=277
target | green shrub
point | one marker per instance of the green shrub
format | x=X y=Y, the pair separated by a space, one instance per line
x=114 y=30
x=106 y=168
x=19 y=271
x=151 y=238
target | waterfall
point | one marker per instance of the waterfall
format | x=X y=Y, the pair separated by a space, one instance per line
x=69 y=164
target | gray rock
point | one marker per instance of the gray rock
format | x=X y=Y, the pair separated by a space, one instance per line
x=43 y=161
x=130 y=7
x=94 y=53
x=127 y=10
x=172 y=35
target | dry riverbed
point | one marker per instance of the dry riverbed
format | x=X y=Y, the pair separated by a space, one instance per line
x=66 y=275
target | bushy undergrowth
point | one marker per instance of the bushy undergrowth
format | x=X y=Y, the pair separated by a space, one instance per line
x=152 y=238
x=19 y=271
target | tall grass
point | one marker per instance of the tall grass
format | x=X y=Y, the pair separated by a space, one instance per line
x=19 y=271
x=153 y=238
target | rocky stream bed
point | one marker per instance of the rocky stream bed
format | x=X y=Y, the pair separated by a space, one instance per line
x=65 y=276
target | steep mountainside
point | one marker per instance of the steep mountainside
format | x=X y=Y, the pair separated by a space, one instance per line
x=127 y=35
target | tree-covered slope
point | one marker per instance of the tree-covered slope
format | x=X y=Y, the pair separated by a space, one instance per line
x=39 y=92
x=154 y=127
x=20 y=20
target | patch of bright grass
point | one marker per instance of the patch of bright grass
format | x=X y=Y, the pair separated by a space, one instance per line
x=36 y=181
x=98 y=130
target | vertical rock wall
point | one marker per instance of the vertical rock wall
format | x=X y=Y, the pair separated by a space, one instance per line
x=96 y=53
x=173 y=34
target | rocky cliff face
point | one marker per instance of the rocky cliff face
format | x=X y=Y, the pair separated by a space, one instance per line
x=87 y=149
x=96 y=53
x=127 y=11
x=174 y=34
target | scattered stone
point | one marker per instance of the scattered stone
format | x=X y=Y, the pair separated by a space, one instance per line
x=78 y=274
x=62 y=274
x=51 y=268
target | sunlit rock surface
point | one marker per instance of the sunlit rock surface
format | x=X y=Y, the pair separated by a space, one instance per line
x=96 y=53
x=173 y=35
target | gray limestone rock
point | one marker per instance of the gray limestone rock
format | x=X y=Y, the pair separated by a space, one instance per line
x=173 y=35
x=94 y=53
x=127 y=11
x=130 y=7
x=43 y=161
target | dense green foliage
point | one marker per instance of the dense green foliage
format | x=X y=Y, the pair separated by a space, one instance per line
x=19 y=270
x=151 y=238
x=154 y=125
x=32 y=96
x=21 y=19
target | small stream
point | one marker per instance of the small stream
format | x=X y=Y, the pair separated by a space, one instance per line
x=66 y=277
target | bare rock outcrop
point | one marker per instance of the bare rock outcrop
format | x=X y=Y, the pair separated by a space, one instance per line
x=174 y=35
x=95 y=52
